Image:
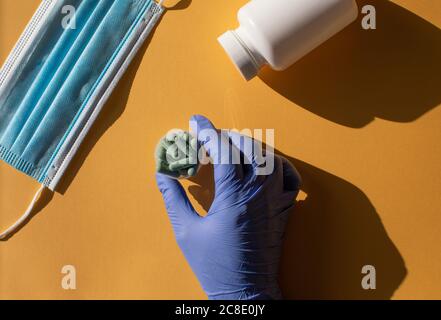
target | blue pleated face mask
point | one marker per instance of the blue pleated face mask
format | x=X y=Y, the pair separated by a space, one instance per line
x=57 y=78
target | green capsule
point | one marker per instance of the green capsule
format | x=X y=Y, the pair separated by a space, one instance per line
x=165 y=144
x=172 y=153
x=182 y=145
x=191 y=171
x=162 y=167
x=173 y=135
x=177 y=155
x=194 y=143
x=180 y=164
x=160 y=152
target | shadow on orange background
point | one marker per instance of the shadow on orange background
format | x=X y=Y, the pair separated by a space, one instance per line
x=393 y=72
x=330 y=236
x=114 y=107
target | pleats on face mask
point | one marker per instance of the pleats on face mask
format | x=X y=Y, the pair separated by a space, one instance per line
x=57 y=79
x=60 y=74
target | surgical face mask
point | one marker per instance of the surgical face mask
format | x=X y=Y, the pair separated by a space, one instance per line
x=58 y=77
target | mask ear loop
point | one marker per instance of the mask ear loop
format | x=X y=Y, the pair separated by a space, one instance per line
x=5 y=234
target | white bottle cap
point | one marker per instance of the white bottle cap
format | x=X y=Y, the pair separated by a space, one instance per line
x=239 y=54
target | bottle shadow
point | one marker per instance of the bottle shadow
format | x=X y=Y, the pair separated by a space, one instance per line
x=177 y=5
x=393 y=72
x=330 y=236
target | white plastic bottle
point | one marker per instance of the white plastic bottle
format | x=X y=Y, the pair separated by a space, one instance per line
x=280 y=32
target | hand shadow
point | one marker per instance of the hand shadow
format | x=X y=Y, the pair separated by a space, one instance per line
x=330 y=236
x=393 y=72
x=111 y=112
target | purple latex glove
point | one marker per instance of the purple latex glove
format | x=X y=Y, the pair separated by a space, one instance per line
x=235 y=250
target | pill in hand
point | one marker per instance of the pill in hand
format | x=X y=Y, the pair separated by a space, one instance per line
x=177 y=155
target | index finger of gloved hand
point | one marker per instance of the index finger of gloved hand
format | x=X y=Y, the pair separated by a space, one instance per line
x=251 y=148
x=225 y=156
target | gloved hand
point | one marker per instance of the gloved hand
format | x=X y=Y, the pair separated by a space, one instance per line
x=235 y=250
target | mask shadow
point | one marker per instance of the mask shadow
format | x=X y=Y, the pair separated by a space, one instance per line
x=392 y=73
x=110 y=113
x=329 y=237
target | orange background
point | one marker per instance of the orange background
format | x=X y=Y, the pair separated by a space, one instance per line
x=359 y=117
